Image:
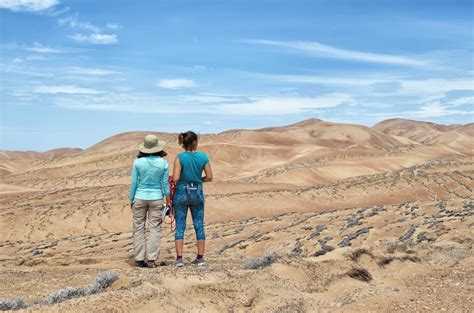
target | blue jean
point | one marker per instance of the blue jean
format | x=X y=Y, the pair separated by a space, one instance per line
x=194 y=200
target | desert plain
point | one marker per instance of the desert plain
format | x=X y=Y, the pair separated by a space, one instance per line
x=310 y=217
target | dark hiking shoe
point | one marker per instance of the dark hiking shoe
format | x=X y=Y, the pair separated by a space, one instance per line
x=199 y=262
x=140 y=264
x=179 y=263
x=151 y=264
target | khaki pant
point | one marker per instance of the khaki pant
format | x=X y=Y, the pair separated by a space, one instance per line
x=140 y=210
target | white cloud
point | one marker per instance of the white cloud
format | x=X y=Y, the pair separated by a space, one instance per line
x=66 y=103
x=73 y=22
x=284 y=105
x=213 y=98
x=37 y=47
x=65 y=89
x=430 y=87
x=28 y=5
x=91 y=71
x=199 y=67
x=57 y=12
x=328 y=80
x=24 y=96
x=317 y=49
x=250 y=105
x=434 y=107
x=35 y=57
x=176 y=83
x=15 y=68
x=469 y=100
x=126 y=102
x=112 y=26
x=209 y=122
x=435 y=86
x=445 y=106
x=98 y=39
x=437 y=110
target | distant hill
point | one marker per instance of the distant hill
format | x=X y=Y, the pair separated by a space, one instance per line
x=316 y=132
x=386 y=134
x=128 y=140
x=33 y=155
x=428 y=133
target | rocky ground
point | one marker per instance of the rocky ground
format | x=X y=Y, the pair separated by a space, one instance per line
x=415 y=255
x=343 y=218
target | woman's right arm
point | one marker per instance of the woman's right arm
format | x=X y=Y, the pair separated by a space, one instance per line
x=133 y=185
x=165 y=185
x=176 y=170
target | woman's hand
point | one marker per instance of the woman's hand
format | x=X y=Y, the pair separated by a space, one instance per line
x=131 y=205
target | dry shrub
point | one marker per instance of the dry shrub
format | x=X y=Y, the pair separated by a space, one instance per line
x=360 y=274
x=266 y=260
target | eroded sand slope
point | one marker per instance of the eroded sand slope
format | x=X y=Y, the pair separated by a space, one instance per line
x=356 y=219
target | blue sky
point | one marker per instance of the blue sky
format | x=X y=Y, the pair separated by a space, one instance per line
x=75 y=72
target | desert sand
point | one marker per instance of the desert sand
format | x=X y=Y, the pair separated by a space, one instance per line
x=309 y=217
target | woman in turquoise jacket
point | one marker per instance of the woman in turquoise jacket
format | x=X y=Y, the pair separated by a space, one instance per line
x=149 y=187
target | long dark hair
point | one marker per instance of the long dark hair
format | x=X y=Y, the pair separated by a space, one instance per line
x=188 y=140
x=160 y=154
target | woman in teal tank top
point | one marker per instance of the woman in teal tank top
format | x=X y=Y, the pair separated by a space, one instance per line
x=187 y=174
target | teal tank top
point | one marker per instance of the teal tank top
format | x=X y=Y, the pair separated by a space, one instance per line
x=192 y=165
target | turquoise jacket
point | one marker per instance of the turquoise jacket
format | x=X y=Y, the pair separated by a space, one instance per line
x=149 y=179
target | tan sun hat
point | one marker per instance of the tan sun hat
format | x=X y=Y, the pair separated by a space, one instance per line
x=151 y=144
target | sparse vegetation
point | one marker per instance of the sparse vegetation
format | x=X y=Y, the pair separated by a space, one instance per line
x=319 y=228
x=353 y=221
x=266 y=260
x=385 y=260
x=357 y=253
x=360 y=274
x=12 y=304
x=102 y=281
x=347 y=240
x=407 y=235
x=297 y=250
x=396 y=246
x=325 y=248
x=256 y=234
x=65 y=294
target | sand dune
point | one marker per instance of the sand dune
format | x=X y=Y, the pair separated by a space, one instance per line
x=428 y=133
x=33 y=155
x=314 y=216
x=316 y=132
x=467 y=129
